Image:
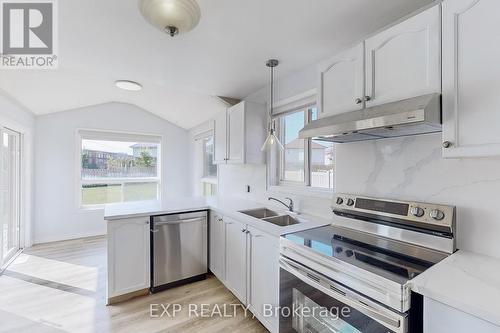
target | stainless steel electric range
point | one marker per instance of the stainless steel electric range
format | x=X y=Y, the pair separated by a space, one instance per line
x=355 y=275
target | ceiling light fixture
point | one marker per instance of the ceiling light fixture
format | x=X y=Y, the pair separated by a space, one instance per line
x=128 y=85
x=272 y=142
x=172 y=16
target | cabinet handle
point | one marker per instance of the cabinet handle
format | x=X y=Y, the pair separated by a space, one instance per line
x=358 y=101
x=368 y=98
x=447 y=144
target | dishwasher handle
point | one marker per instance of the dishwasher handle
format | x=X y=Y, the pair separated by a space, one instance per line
x=197 y=219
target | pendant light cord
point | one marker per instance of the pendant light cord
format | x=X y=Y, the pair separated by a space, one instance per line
x=272 y=99
x=272 y=63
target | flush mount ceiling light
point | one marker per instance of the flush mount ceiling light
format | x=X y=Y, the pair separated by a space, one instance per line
x=128 y=85
x=172 y=16
x=272 y=142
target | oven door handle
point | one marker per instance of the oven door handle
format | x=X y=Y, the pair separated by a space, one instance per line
x=388 y=318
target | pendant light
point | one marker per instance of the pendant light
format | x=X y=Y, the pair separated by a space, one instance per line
x=172 y=16
x=272 y=142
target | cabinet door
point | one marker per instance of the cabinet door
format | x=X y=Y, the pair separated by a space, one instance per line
x=439 y=317
x=217 y=247
x=342 y=82
x=236 y=140
x=128 y=256
x=404 y=60
x=264 y=276
x=220 y=138
x=471 y=77
x=236 y=263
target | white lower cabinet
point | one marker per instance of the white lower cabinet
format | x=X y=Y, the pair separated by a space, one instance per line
x=250 y=262
x=264 y=277
x=439 y=318
x=236 y=254
x=217 y=245
x=128 y=256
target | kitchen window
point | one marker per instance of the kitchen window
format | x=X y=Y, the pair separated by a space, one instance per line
x=303 y=162
x=209 y=168
x=117 y=167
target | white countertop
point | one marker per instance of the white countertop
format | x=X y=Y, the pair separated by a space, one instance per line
x=229 y=207
x=120 y=211
x=466 y=281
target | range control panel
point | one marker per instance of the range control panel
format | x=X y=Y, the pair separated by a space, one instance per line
x=433 y=214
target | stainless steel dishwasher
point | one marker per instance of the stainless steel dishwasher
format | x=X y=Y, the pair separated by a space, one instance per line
x=179 y=249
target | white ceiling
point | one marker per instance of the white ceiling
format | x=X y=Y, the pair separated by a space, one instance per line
x=104 y=40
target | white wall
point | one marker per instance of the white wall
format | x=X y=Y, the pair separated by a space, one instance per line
x=16 y=117
x=57 y=215
x=288 y=86
x=15 y=114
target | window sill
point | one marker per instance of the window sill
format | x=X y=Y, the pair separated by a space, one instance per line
x=90 y=208
x=303 y=190
x=209 y=180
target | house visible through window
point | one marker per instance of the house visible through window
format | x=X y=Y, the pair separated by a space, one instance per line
x=118 y=168
x=304 y=162
x=293 y=158
x=209 y=179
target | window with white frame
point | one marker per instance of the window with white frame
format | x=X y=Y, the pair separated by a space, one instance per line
x=209 y=174
x=117 y=167
x=303 y=162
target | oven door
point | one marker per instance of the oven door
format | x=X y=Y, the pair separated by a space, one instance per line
x=310 y=303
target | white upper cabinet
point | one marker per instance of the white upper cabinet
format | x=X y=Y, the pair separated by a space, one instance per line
x=404 y=60
x=220 y=138
x=236 y=130
x=471 y=78
x=239 y=134
x=342 y=82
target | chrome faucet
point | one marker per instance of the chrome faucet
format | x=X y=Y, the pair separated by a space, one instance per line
x=290 y=206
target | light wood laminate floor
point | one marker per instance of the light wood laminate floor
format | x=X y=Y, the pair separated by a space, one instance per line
x=61 y=287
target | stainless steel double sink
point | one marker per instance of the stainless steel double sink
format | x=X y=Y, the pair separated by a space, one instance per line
x=267 y=215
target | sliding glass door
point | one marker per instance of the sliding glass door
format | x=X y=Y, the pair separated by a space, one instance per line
x=9 y=193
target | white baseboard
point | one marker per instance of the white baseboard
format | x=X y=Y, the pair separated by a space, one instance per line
x=67 y=237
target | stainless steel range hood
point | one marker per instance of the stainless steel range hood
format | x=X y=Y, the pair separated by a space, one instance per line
x=418 y=115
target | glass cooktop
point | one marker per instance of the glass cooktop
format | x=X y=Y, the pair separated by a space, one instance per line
x=378 y=255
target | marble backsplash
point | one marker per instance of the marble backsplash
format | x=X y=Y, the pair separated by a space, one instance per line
x=410 y=168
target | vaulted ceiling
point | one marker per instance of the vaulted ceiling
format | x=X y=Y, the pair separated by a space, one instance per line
x=101 y=41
